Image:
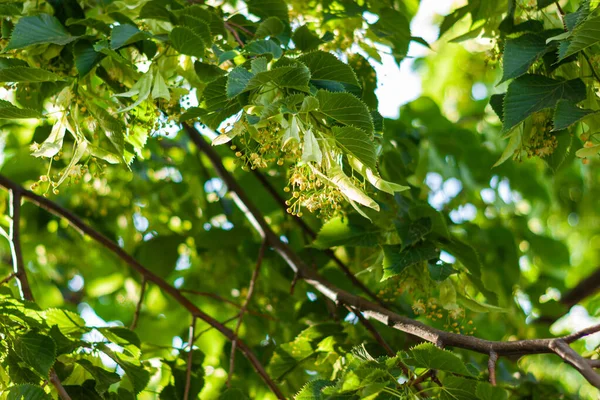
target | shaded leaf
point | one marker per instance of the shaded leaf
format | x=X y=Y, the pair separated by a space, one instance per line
x=345 y=232
x=38 y=29
x=567 y=114
x=37 y=351
x=396 y=260
x=427 y=355
x=532 y=93
x=27 y=74
x=356 y=142
x=258 y=47
x=9 y=111
x=186 y=41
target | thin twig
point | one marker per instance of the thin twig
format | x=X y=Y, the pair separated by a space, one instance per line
x=492 y=366
x=235 y=34
x=53 y=378
x=15 y=242
x=188 y=373
x=251 y=286
x=587 y=58
x=225 y=300
x=138 y=307
x=210 y=328
x=8 y=278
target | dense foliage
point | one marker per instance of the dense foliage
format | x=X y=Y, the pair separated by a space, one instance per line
x=137 y=252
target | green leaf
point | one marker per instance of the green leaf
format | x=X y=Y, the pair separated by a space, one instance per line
x=68 y=322
x=113 y=128
x=457 y=388
x=237 y=80
x=126 y=34
x=326 y=70
x=356 y=142
x=396 y=260
x=137 y=374
x=345 y=109
x=102 y=377
x=27 y=74
x=258 y=47
x=37 y=351
x=186 y=41
x=439 y=272
x=345 y=232
x=233 y=394
x=10 y=9
x=9 y=111
x=38 y=29
x=27 y=392
x=305 y=40
x=477 y=306
x=427 y=355
x=199 y=26
x=159 y=254
x=217 y=105
x=156 y=9
x=312 y=390
x=585 y=35
x=531 y=93
x=269 y=8
x=160 y=88
x=271 y=27
x=393 y=27
x=141 y=88
x=292 y=77
x=86 y=57
x=588 y=151
x=497 y=104
x=567 y=114
x=413 y=232
x=520 y=53
x=311 y=151
x=288 y=356
x=208 y=72
x=485 y=391
x=121 y=336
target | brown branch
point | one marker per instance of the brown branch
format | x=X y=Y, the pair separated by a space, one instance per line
x=188 y=372
x=564 y=351
x=587 y=287
x=492 y=366
x=376 y=335
x=235 y=34
x=251 y=286
x=62 y=393
x=83 y=227
x=370 y=309
x=225 y=300
x=15 y=244
x=138 y=307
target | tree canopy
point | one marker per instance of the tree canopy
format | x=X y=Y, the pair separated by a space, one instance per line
x=201 y=200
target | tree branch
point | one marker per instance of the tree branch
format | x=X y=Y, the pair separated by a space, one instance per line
x=81 y=226
x=8 y=278
x=492 y=366
x=53 y=378
x=224 y=300
x=370 y=309
x=138 y=307
x=15 y=245
x=188 y=372
x=259 y=260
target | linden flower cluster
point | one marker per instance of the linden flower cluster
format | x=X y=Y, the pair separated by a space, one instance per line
x=279 y=142
x=310 y=191
x=433 y=311
x=542 y=142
